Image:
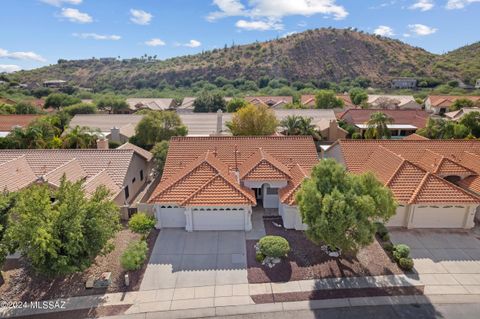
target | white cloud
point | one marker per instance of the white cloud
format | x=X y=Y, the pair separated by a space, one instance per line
x=155 y=42
x=140 y=17
x=422 y=5
x=59 y=3
x=193 y=44
x=421 y=29
x=96 y=36
x=258 y=25
x=8 y=68
x=289 y=34
x=267 y=12
x=459 y=4
x=20 y=55
x=74 y=15
x=384 y=31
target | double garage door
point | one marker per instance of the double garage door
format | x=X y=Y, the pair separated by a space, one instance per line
x=219 y=219
x=203 y=219
x=439 y=217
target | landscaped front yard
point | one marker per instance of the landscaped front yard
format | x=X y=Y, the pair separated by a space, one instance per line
x=308 y=261
x=22 y=284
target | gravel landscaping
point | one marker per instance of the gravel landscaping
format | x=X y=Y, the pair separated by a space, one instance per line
x=337 y=293
x=307 y=261
x=22 y=284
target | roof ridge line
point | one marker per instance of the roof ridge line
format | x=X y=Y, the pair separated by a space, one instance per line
x=456 y=187
x=62 y=165
x=419 y=187
x=14 y=159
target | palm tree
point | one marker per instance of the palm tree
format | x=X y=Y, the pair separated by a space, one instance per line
x=378 y=126
x=80 y=137
x=299 y=125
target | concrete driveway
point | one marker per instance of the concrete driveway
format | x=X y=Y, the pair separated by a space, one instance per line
x=446 y=261
x=208 y=258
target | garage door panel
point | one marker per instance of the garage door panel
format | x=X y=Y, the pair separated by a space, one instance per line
x=172 y=217
x=219 y=220
x=439 y=217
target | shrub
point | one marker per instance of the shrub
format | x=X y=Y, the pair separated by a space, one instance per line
x=381 y=229
x=406 y=263
x=274 y=246
x=401 y=251
x=141 y=223
x=386 y=237
x=356 y=136
x=259 y=256
x=134 y=256
x=388 y=247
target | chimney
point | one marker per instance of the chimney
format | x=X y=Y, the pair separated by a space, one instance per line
x=102 y=143
x=115 y=134
x=219 y=122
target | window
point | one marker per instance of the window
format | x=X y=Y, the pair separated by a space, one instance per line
x=134 y=180
x=127 y=192
x=141 y=174
x=272 y=191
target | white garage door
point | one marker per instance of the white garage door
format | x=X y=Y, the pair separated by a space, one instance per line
x=172 y=217
x=219 y=219
x=439 y=217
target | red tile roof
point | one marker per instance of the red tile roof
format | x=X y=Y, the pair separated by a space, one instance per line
x=361 y=116
x=8 y=122
x=309 y=99
x=445 y=101
x=207 y=171
x=414 y=169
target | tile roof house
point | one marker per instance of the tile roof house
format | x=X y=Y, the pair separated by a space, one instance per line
x=439 y=104
x=405 y=122
x=393 y=102
x=116 y=127
x=212 y=183
x=123 y=172
x=155 y=104
x=435 y=182
x=275 y=102
x=458 y=114
x=308 y=100
x=9 y=122
x=187 y=104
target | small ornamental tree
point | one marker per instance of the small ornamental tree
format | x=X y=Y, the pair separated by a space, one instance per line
x=63 y=236
x=326 y=99
x=340 y=208
x=253 y=120
x=159 y=152
x=358 y=96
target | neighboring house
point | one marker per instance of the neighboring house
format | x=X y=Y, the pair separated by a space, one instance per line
x=212 y=183
x=275 y=102
x=206 y=124
x=440 y=104
x=308 y=100
x=54 y=84
x=457 y=115
x=393 y=102
x=405 y=122
x=124 y=172
x=155 y=104
x=10 y=122
x=404 y=83
x=187 y=104
x=436 y=183
x=7 y=101
x=116 y=127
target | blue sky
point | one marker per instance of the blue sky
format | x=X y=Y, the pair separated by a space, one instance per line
x=39 y=32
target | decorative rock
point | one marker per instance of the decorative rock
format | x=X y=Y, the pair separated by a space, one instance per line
x=276 y=225
x=104 y=281
x=89 y=283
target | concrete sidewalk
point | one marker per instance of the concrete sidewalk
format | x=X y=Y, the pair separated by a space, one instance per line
x=236 y=295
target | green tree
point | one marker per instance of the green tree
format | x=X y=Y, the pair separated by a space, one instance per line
x=340 y=208
x=58 y=100
x=66 y=235
x=80 y=108
x=460 y=104
x=358 y=96
x=472 y=121
x=235 y=104
x=208 y=102
x=156 y=127
x=111 y=103
x=159 y=152
x=444 y=129
x=326 y=99
x=80 y=137
x=7 y=201
x=378 y=126
x=299 y=125
x=253 y=120
x=38 y=134
x=25 y=108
